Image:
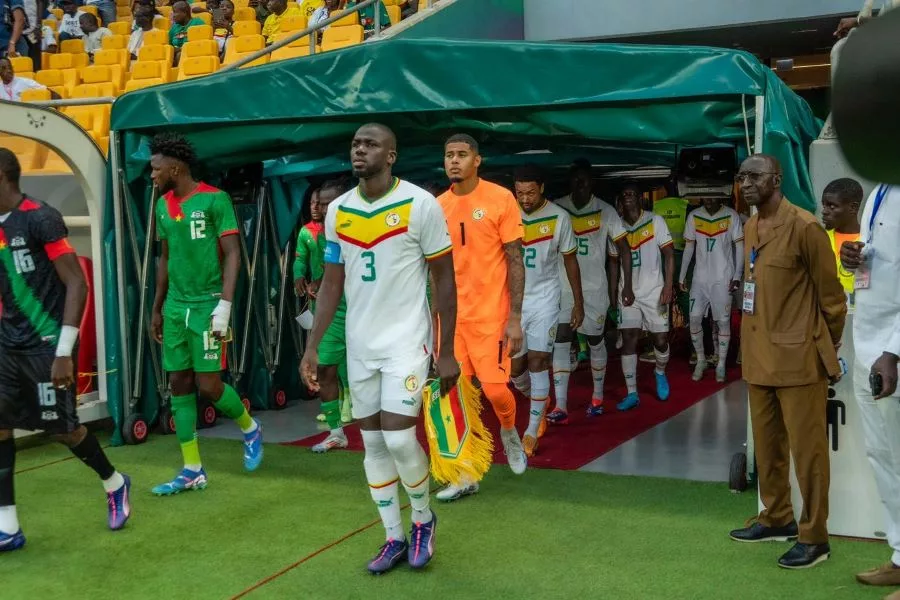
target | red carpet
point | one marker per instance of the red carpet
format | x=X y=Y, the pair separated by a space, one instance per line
x=584 y=439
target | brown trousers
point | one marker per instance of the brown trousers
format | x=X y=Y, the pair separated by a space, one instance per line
x=790 y=421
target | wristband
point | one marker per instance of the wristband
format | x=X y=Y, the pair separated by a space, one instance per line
x=224 y=305
x=68 y=335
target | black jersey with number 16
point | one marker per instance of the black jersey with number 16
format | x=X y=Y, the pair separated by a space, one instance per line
x=32 y=236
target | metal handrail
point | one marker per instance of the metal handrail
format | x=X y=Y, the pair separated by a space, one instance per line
x=71 y=102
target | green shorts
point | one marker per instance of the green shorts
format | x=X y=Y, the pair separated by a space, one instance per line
x=333 y=347
x=187 y=342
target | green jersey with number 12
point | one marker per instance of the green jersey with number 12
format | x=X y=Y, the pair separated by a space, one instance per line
x=192 y=226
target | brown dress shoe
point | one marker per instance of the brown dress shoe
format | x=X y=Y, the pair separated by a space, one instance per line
x=885 y=575
x=894 y=596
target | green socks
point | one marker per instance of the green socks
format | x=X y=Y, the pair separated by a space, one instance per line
x=184 y=412
x=332 y=411
x=230 y=406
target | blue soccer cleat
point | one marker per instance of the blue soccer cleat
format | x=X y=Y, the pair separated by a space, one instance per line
x=253 y=448
x=630 y=401
x=186 y=480
x=119 y=503
x=388 y=557
x=421 y=549
x=8 y=542
x=662 y=386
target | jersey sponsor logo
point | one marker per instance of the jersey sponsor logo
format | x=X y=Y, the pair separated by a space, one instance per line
x=640 y=235
x=583 y=225
x=409 y=402
x=198 y=214
x=712 y=227
x=367 y=229
x=411 y=383
x=539 y=230
x=17 y=242
x=478 y=214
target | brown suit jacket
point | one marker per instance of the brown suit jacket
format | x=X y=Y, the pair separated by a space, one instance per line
x=800 y=308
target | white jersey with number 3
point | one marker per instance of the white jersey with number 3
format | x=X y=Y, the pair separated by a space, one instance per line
x=383 y=245
x=548 y=233
x=715 y=237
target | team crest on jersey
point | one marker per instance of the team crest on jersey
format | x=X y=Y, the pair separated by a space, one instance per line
x=198 y=214
x=392 y=219
x=411 y=383
x=477 y=214
x=17 y=242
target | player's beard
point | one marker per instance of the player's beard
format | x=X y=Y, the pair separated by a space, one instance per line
x=366 y=172
x=457 y=179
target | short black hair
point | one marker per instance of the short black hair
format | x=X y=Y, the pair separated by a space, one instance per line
x=529 y=173
x=339 y=186
x=90 y=19
x=630 y=184
x=462 y=138
x=847 y=189
x=580 y=164
x=173 y=145
x=9 y=165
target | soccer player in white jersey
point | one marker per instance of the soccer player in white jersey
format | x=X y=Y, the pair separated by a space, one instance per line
x=596 y=226
x=547 y=234
x=382 y=237
x=652 y=272
x=714 y=237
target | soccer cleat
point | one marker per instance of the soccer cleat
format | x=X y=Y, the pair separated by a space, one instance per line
x=334 y=441
x=8 y=542
x=119 y=502
x=542 y=424
x=712 y=361
x=515 y=454
x=390 y=555
x=698 y=370
x=421 y=548
x=720 y=373
x=662 y=386
x=455 y=492
x=630 y=401
x=648 y=357
x=558 y=417
x=596 y=408
x=186 y=480
x=253 y=448
x=530 y=443
x=320 y=418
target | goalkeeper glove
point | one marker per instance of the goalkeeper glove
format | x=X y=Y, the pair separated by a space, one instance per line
x=221 y=316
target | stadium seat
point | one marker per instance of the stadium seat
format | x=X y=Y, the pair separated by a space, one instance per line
x=90 y=9
x=99 y=74
x=71 y=47
x=197 y=66
x=199 y=48
x=395 y=13
x=290 y=52
x=246 y=28
x=243 y=4
x=54 y=164
x=121 y=13
x=205 y=17
x=102 y=141
x=165 y=11
x=51 y=23
x=294 y=23
x=199 y=5
x=244 y=14
x=58 y=13
x=53 y=79
x=156 y=37
x=351 y=19
x=38 y=95
x=161 y=23
x=21 y=64
x=94 y=119
x=31 y=154
x=200 y=32
x=69 y=66
x=117 y=61
x=137 y=84
x=159 y=54
x=114 y=42
x=25 y=74
x=243 y=46
x=298 y=43
x=148 y=68
x=334 y=38
x=120 y=28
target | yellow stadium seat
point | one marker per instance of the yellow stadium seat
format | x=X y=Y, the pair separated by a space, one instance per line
x=395 y=13
x=199 y=5
x=90 y=9
x=147 y=69
x=21 y=64
x=340 y=37
x=71 y=47
x=35 y=95
x=102 y=141
x=58 y=13
x=92 y=118
x=246 y=45
x=165 y=11
x=120 y=28
x=54 y=164
x=351 y=19
x=123 y=3
x=156 y=37
x=290 y=52
x=121 y=12
x=197 y=66
x=53 y=79
x=25 y=74
x=243 y=4
x=161 y=54
x=69 y=66
x=114 y=42
x=304 y=41
x=245 y=13
x=205 y=17
x=51 y=23
x=246 y=28
x=293 y=23
x=31 y=154
x=161 y=23
x=392 y=2
x=98 y=74
x=199 y=48
x=112 y=56
x=137 y=84
x=199 y=32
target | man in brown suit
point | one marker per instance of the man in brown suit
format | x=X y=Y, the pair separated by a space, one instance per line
x=794 y=309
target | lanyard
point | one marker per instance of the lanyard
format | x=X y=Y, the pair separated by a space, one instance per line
x=754 y=254
x=879 y=198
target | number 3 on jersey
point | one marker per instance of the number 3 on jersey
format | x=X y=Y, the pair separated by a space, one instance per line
x=369 y=264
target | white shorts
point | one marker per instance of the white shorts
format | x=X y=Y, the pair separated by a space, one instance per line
x=596 y=306
x=646 y=313
x=540 y=332
x=391 y=385
x=711 y=295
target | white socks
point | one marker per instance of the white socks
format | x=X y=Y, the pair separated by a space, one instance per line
x=381 y=473
x=412 y=465
x=697 y=340
x=9 y=522
x=629 y=370
x=114 y=482
x=522 y=383
x=598 y=368
x=662 y=359
x=540 y=393
x=724 y=341
x=562 y=370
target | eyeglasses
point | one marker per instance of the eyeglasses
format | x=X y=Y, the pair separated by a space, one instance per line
x=754 y=176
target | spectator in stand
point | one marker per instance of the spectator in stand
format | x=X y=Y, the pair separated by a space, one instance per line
x=410 y=7
x=12 y=23
x=367 y=17
x=222 y=20
x=32 y=31
x=308 y=7
x=70 y=28
x=143 y=21
x=13 y=86
x=106 y=8
x=48 y=40
x=93 y=34
x=182 y=21
x=150 y=4
x=262 y=10
x=331 y=7
x=280 y=10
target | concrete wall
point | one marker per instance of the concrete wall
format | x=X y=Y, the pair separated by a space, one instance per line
x=472 y=20
x=592 y=19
